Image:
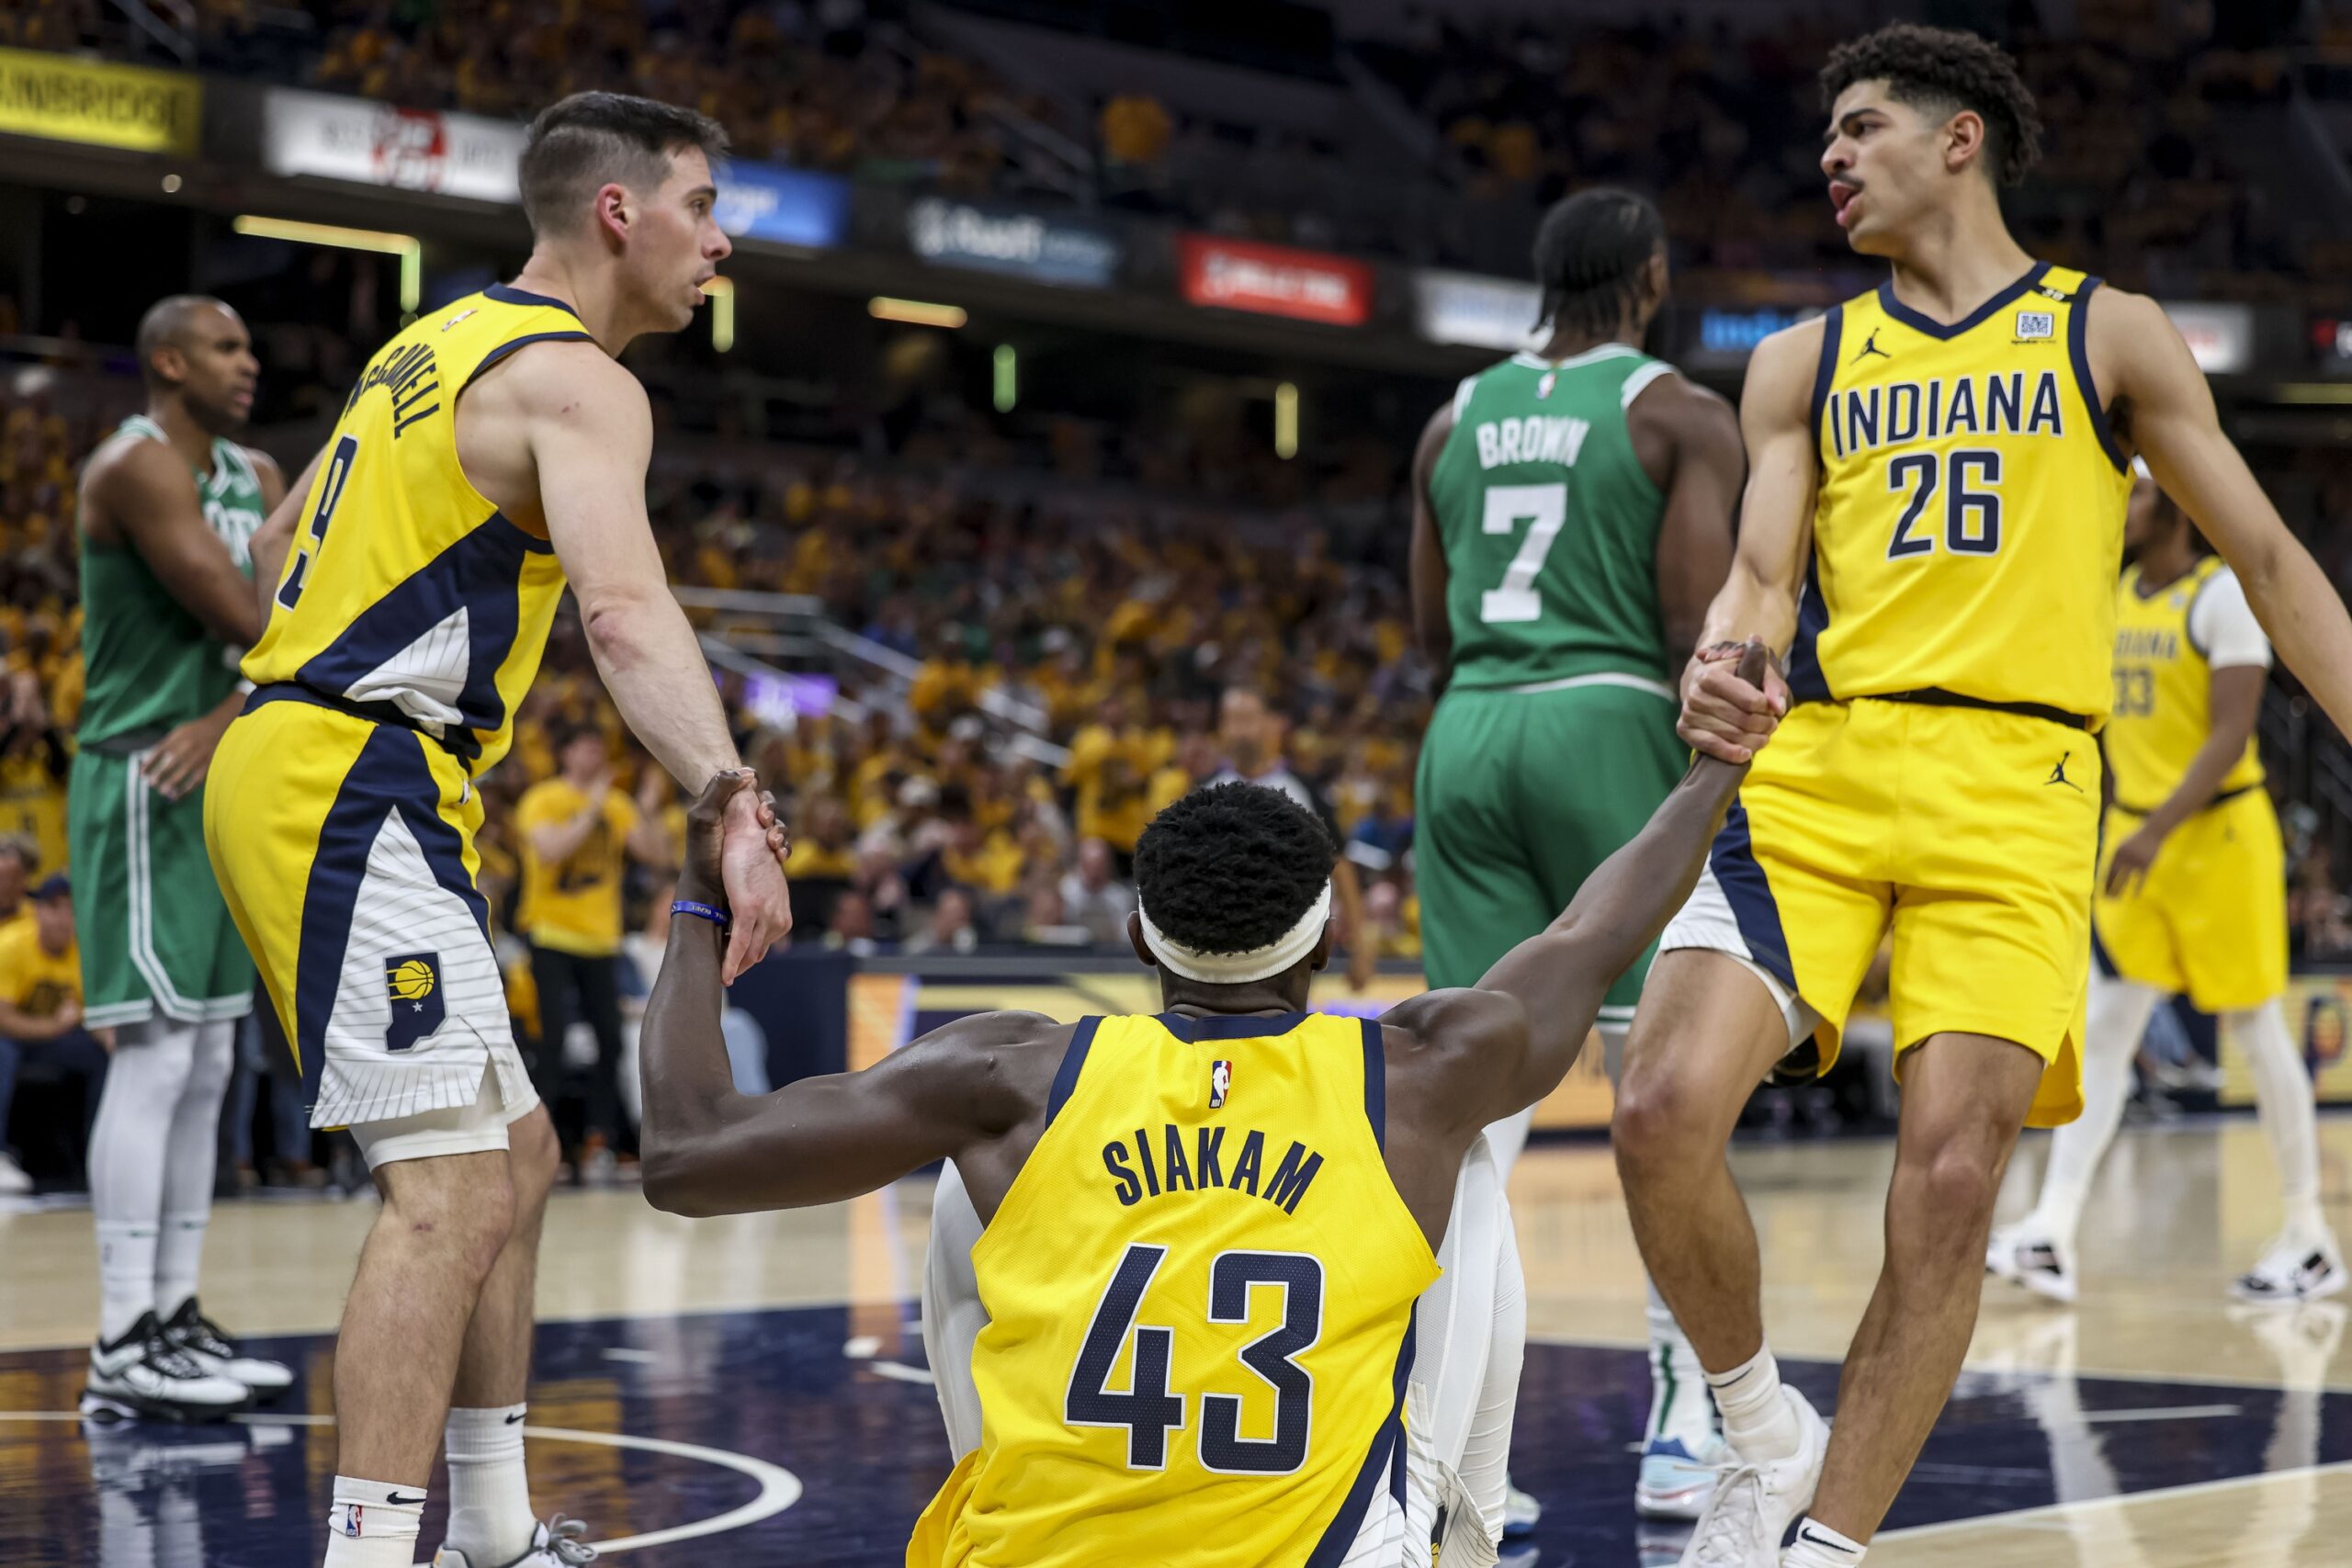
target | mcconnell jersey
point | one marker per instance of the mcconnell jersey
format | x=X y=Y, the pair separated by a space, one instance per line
x=1549 y=523
x=407 y=593
x=1970 y=522
x=1200 y=1295
x=2168 y=645
x=149 y=663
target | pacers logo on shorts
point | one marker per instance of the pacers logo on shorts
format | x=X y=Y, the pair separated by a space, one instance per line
x=412 y=982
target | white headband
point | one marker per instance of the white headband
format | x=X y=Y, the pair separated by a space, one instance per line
x=1240 y=968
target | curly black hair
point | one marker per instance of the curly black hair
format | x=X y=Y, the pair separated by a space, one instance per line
x=1231 y=868
x=1590 y=254
x=1942 y=69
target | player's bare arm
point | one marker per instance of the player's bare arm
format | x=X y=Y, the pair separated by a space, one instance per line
x=2236 y=705
x=140 y=493
x=2163 y=409
x=1723 y=716
x=1427 y=571
x=1492 y=1050
x=560 y=435
x=1686 y=438
x=709 y=1150
x=180 y=761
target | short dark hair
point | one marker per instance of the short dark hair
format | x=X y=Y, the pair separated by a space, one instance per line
x=1590 y=254
x=1946 y=70
x=167 y=324
x=1230 y=867
x=581 y=143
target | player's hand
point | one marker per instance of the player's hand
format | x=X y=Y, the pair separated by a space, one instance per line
x=2133 y=856
x=1725 y=714
x=176 y=767
x=752 y=848
x=69 y=1013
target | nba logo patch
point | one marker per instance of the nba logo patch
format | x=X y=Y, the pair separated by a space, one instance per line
x=1220 y=1083
x=346 y=1521
x=413 y=985
x=458 y=316
x=1544 y=388
x=2036 y=325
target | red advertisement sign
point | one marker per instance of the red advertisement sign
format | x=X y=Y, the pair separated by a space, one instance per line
x=1274 y=281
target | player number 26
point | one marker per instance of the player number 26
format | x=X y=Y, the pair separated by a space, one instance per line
x=1968 y=483
x=1149 y=1412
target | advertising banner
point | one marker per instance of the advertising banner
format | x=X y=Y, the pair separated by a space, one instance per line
x=369 y=144
x=65 y=99
x=1021 y=245
x=1476 y=312
x=2220 y=336
x=2319 y=1008
x=788 y=207
x=1274 y=281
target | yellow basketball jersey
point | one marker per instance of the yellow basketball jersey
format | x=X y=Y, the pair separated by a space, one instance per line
x=1200 y=1293
x=1971 y=515
x=433 y=607
x=2163 y=694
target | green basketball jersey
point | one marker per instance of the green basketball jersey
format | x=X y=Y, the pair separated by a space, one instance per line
x=148 y=663
x=1549 y=523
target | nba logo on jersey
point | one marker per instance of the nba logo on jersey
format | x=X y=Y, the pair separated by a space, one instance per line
x=1544 y=388
x=413 y=984
x=2036 y=325
x=1220 y=1081
x=456 y=318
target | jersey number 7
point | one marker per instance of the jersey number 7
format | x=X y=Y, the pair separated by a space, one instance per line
x=1544 y=508
x=1149 y=1412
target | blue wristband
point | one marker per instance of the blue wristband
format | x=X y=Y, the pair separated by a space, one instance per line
x=711 y=912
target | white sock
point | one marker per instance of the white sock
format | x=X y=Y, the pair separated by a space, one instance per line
x=2282 y=1099
x=1758 y=1422
x=368 y=1528
x=2119 y=1016
x=1679 y=1404
x=190 y=1153
x=144 y=1084
x=126 y=1276
x=490 y=1497
x=1818 y=1546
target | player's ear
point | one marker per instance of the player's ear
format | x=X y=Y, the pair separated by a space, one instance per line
x=1320 y=959
x=1963 y=139
x=1135 y=940
x=614 y=210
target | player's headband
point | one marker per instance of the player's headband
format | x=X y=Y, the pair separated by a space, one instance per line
x=1240 y=968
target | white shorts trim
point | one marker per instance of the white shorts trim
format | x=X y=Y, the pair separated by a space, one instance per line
x=1706 y=922
x=1606 y=678
x=473 y=1129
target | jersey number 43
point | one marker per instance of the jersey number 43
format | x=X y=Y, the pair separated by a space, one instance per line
x=1149 y=1412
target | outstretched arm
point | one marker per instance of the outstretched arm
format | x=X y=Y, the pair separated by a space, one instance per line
x=1426 y=571
x=2167 y=409
x=711 y=1150
x=1558 y=977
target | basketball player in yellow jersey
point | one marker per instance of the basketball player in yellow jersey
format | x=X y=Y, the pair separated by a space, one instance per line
x=1205 y=1230
x=2193 y=901
x=488 y=453
x=1932 y=528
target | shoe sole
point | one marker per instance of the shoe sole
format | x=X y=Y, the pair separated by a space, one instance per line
x=1681 y=1503
x=2052 y=1288
x=112 y=1408
x=2333 y=1285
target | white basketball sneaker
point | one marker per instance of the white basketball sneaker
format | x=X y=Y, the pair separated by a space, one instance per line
x=2294 y=1268
x=14 y=1182
x=1754 y=1505
x=1522 y=1512
x=2027 y=1256
x=555 y=1544
x=1679 y=1476
x=143 y=1374
x=214 y=1351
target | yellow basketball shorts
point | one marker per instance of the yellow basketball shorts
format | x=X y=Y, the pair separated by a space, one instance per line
x=1969 y=833
x=344 y=849
x=2210 y=920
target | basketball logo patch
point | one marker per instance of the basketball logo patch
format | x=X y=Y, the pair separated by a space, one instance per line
x=1220 y=1082
x=413 y=985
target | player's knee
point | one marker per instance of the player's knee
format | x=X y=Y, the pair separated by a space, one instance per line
x=461 y=1217
x=1654 y=1115
x=1955 y=1183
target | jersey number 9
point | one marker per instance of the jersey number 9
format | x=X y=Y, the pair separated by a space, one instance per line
x=1149 y=1412
x=306 y=550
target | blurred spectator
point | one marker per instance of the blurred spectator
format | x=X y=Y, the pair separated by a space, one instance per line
x=950 y=928
x=1093 y=898
x=40 y=1014
x=1136 y=130
x=18 y=860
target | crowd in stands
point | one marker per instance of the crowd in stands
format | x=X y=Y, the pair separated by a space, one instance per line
x=2146 y=177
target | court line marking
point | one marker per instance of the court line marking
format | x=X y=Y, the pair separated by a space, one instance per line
x=779 y=1488
x=2024 y=1517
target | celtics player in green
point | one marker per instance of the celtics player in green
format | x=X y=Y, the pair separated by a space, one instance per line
x=167 y=504
x=1572 y=520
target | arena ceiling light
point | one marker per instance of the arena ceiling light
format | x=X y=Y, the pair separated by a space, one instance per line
x=915 y=312
x=406 y=246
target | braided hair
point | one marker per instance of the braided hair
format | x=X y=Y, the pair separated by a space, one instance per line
x=1589 y=254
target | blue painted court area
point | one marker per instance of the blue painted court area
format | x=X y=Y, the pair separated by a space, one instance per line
x=810 y=1437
